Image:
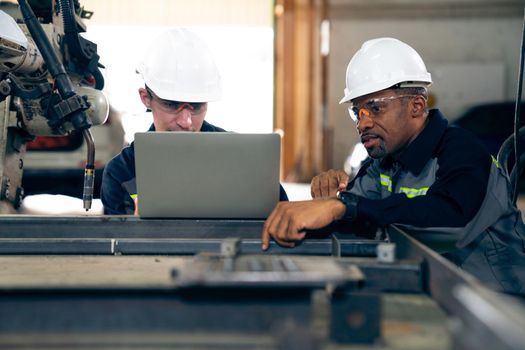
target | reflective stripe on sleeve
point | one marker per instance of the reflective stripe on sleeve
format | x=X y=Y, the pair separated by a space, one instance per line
x=413 y=192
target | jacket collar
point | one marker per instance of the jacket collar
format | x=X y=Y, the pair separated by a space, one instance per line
x=416 y=155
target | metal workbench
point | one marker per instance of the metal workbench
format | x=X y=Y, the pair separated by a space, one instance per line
x=119 y=281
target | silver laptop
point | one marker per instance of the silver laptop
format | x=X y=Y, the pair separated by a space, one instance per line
x=207 y=175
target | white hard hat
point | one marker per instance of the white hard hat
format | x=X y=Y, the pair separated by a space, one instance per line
x=382 y=63
x=178 y=66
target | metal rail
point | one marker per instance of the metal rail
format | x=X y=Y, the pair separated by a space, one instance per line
x=482 y=319
x=123 y=226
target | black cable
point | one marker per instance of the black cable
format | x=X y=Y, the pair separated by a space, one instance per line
x=65 y=87
x=517 y=165
x=83 y=52
x=68 y=16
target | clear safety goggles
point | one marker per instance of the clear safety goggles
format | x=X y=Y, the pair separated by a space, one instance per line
x=176 y=106
x=371 y=108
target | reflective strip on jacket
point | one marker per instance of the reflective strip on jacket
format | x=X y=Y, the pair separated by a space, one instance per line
x=445 y=189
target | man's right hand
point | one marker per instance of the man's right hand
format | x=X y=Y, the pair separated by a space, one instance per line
x=328 y=183
x=288 y=222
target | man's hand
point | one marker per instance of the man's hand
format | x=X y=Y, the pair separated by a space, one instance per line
x=328 y=183
x=136 y=211
x=289 y=220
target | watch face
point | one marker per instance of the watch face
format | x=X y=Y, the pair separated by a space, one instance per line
x=342 y=195
x=346 y=197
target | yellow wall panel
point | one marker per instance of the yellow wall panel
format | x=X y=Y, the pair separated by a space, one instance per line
x=181 y=12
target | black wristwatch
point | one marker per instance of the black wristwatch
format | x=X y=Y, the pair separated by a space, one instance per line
x=350 y=200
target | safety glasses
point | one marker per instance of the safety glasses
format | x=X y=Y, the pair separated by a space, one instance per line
x=176 y=107
x=372 y=108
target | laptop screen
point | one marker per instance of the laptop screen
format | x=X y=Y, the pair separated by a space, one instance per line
x=207 y=175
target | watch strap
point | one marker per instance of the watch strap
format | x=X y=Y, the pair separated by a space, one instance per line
x=350 y=200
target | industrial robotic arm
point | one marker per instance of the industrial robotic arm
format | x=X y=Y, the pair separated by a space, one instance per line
x=50 y=85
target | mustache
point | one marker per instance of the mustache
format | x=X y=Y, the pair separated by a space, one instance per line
x=367 y=135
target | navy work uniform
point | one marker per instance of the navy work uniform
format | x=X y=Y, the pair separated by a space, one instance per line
x=445 y=187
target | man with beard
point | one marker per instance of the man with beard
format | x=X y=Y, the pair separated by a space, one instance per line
x=435 y=181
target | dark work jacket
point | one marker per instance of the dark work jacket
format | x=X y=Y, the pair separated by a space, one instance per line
x=445 y=189
x=119 y=183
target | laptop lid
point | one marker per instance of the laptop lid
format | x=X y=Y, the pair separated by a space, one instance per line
x=207 y=174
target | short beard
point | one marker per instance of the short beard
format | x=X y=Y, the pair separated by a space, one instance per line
x=378 y=152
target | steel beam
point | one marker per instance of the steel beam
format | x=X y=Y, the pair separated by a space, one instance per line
x=173 y=246
x=479 y=313
x=123 y=226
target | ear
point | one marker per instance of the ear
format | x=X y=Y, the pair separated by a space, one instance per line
x=145 y=97
x=418 y=106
